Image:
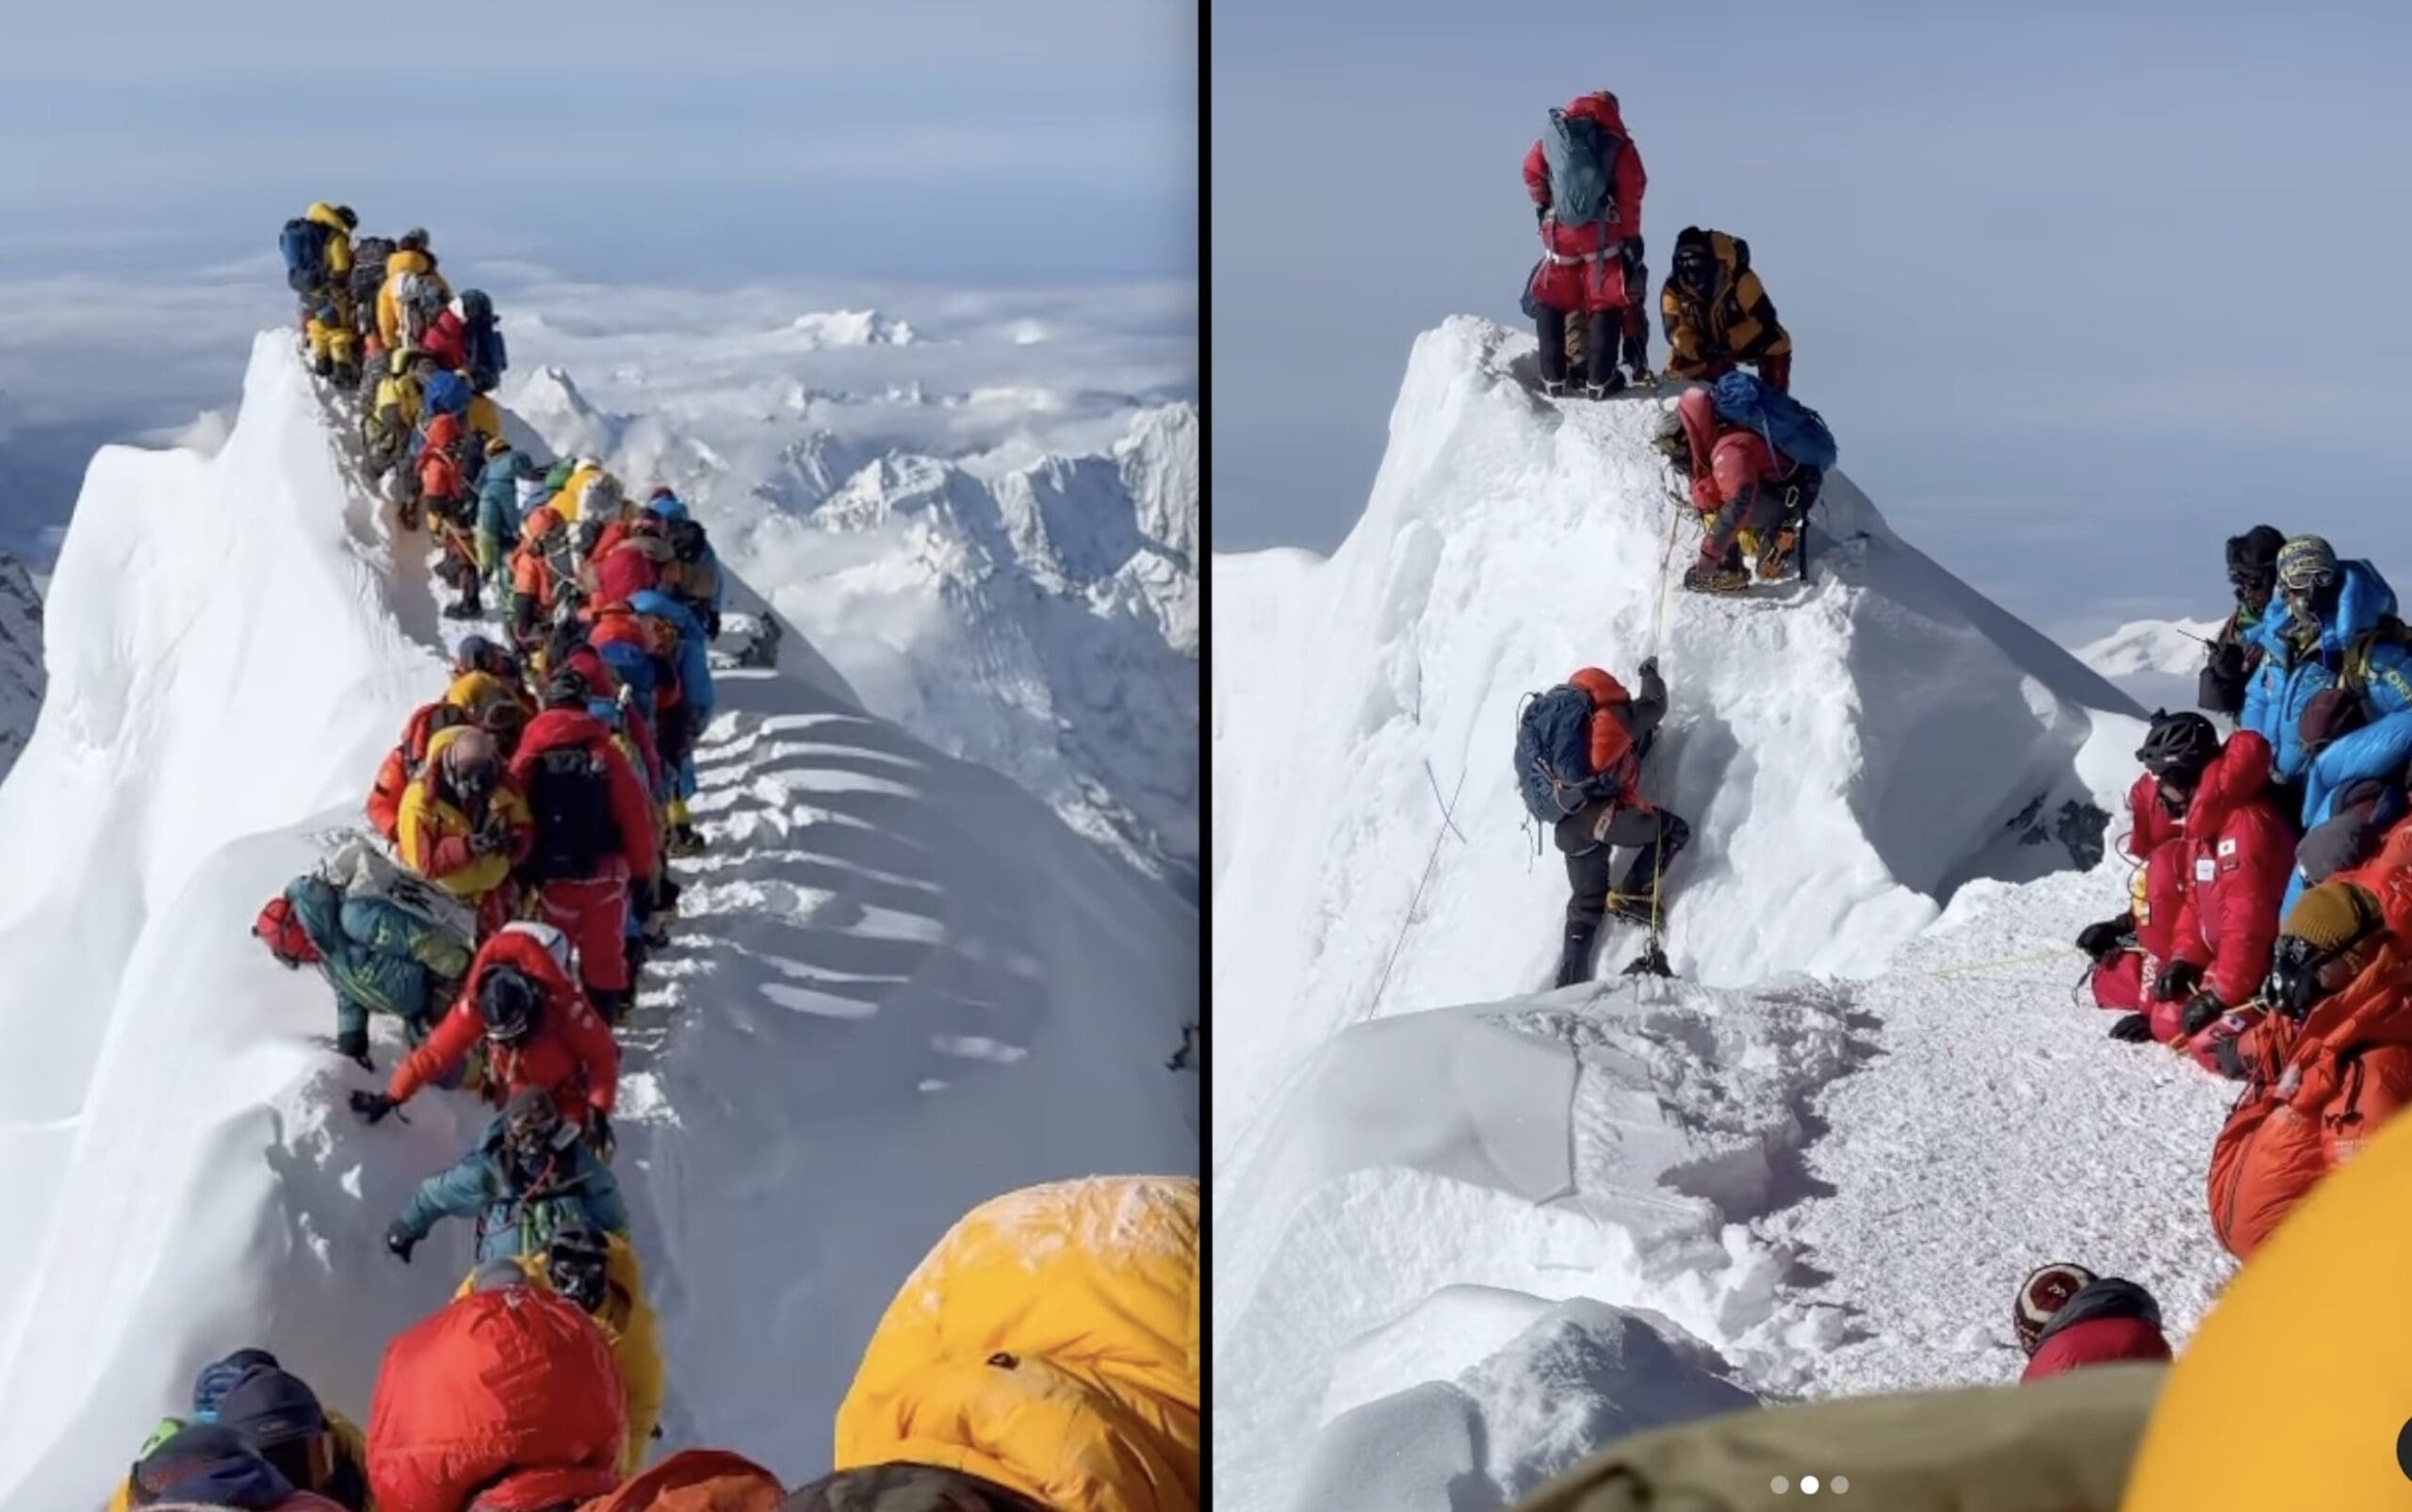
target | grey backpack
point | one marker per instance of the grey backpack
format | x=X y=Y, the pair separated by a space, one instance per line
x=1580 y=152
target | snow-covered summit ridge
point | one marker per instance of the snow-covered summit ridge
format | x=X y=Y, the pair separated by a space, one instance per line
x=892 y=974
x=1849 y=753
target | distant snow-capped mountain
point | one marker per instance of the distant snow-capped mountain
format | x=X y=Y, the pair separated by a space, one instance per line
x=851 y=328
x=1033 y=610
x=2154 y=662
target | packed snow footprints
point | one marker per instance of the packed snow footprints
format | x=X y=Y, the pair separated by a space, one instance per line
x=519 y=931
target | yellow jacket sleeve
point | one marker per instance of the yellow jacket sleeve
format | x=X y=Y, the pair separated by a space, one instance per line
x=485 y=416
x=1682 y=342
x=637 y=1345
x=1050 y=1343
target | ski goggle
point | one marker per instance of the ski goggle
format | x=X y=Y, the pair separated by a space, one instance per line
x=579 y=1277
x=2298 y=970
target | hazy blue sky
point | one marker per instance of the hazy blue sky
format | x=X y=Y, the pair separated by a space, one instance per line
x=1044 y=140
x=2083 y=288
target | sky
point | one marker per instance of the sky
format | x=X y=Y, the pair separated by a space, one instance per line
x=864 y=150
x=2083 y=289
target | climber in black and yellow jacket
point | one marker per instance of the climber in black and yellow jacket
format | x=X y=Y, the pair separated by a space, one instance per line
x=326 y=308
x=1718 y=315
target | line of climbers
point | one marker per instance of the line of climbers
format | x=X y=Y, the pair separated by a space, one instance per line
x=513 y=890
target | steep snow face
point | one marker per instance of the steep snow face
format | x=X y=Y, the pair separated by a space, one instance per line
x=1038 y=617
x=891 y=977
x=20 y=670
x=2155 y=661
x=1848 y=754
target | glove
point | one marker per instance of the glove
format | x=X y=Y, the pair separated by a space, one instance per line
x=400 y=1242
x=353 y=1045
x=486 y=842
x=2134 y=1029
x=2101 y=941
x=1649 y=669
x=373 y=1106
x=2202 y=1012
x=711 y=625
x=2177 y=980
x=598 y=1135
x=1540 y=213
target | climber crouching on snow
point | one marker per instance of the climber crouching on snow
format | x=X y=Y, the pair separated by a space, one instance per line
x=2237 y=850
x=539 y=1033
x=1587 y=182
x=2334 y=1066
x=1578 y=765
x=1717 y=314
x=529 y=1176
x=1744 y=486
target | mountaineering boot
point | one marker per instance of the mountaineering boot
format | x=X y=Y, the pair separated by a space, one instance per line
x=1606 y=388
x=1633 y=907
x=468 y=608
x=610 y=1005
x=1652 y=962
x=1775 y=554
x=685 y=840
x=1712 y=578
x=1553 y=388
x=323 y=366
x=1574 y=960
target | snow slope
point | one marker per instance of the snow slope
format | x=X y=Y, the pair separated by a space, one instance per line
x=1848 y=754
x=2155 y=661
x=1806 y=1189
x=894 y=976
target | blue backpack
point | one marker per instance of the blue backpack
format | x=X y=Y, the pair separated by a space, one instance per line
x=303 y=243
x=1789 y=426
x=1553 y=753
x=1579 y=151
x=488 y=359
x=443 y=394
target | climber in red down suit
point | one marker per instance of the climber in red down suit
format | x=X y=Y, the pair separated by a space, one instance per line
x=1592 y=267
x=1620 y=731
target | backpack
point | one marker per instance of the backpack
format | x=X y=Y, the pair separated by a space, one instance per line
x=1789 y=426
x=1553 y=753
x=1579 y=151
x=368 y=256
x=304 y=242
x=2354 y=676
x=482 y=341
x=569 y=794
x=443 y=394
x=359 y=868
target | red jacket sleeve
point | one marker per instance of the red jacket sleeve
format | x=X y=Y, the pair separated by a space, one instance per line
x=1632 y=181
x=1536 y=175
x=599 y=1057
x=2187 y=943
x=443 y=1050
x=632 y=810
x=2140 y=834
x=2251 y=883
x=385 y=798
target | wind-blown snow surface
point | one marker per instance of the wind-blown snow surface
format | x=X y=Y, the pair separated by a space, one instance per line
x=894 y=975
x=1846 y=754
x=2157 y=662
x=1821 y=1163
